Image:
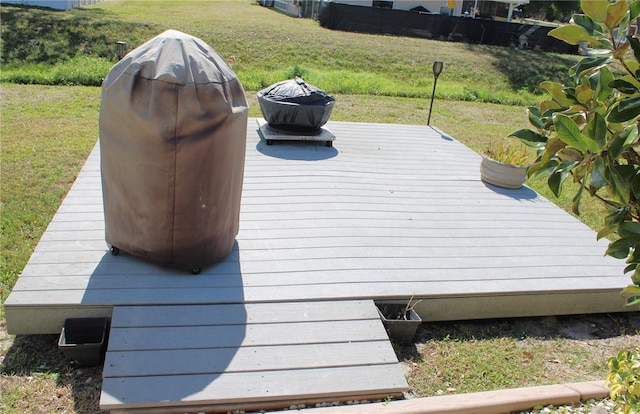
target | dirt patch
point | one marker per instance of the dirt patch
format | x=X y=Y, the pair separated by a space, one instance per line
x=35 y=377
x=580 y=327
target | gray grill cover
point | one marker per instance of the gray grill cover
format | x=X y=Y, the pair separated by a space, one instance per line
x=173 y=127
x=295 y=104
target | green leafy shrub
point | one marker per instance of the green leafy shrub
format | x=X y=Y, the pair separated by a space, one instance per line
x=624 y=381
x=589 y=132
x=297 y=72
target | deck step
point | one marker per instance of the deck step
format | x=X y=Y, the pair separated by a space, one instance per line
x=247 y=356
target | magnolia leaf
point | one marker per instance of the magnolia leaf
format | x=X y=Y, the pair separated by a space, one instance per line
x=549 y=107
x=566 y=166
x=605 y=45
x=591 y=27
x=577 y=113
x=604 y=78
x=572 y=34
x=615 y=13
x=593 y=80
x=629 y=77
x=633 y=65
x=626 y=110
x=594 y=146
x=633 y=290
x=621 y=141
x=570 y=91
x=542 y=169
x=632 y=301
x=604 y=232
x=596 y=130
x=535 y=117
x=619 y=249
x=633 y=259
x=630 y=229
x=569 y=154
x=627 y=171
x=554 y=145
x=556 y=180
x=629 y=103
x=544 y=158
x=623 y=86
x=569 y=132
x=580 y=171
x=616 y=217
x=635 y=46
x=634 y=9
x=557 y=92
x=586 y=64
x=635 y=186
x=584 y=94
x=595 y=9
x=620 y=184
x=530 y=138
x=598 y=173
x=575 y=206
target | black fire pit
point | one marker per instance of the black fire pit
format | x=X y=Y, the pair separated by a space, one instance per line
x=294 y=105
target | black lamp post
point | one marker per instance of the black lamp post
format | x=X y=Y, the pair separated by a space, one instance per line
x=437 y=70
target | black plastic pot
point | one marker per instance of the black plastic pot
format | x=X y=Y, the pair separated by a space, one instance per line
x=84 y=340
x=401 y=325
x=294 y=105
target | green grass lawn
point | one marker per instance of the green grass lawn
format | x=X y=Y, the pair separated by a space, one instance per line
x=265 y=46
x=49 y=126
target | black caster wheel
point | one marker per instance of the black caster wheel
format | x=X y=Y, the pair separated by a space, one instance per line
x=269 y=142
x=196 y=271
x=114 y=251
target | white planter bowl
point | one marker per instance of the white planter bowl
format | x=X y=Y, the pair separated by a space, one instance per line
x=501 y=174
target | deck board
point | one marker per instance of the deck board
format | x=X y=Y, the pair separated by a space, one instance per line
x=244 y=387
x=220 y=336
x=137 y=363
x=198 y=315
x=388 y=212
x=177 y=356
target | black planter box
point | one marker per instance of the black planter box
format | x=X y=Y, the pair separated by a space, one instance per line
x=401 y=325
x=84 y=340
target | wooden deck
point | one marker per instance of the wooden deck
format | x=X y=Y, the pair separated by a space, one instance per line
x=388 y=212
x=244 y=357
